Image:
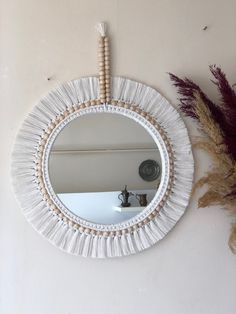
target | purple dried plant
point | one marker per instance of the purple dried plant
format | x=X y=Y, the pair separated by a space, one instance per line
x=187 y=89
x=224 y=113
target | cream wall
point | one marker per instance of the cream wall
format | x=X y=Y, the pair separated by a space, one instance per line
x=192 y=270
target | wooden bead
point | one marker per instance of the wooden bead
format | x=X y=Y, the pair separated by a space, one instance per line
x=76 y=107
x=114 y=102
x=81 y=229
x=92 y=232
x=71 y=110
x=43 y=142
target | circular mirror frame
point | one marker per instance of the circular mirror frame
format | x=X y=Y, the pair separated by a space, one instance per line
x=43 y=208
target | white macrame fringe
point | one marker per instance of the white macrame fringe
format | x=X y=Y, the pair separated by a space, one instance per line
x=54 y=228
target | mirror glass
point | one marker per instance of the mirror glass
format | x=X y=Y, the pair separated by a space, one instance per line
x=104 y=167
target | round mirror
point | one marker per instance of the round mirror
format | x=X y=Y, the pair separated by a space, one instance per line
x=94 y=167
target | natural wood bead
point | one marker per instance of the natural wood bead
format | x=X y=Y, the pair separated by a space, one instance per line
x=45 y=136
x=44 y=191
x=51 y=126
x=107 y=58
x=114 y=102
x=76 y=106
x=105 y=38
x=40 y=149
x=92 y=232
x=81 y=229
x=53 y=207
x=43 y=142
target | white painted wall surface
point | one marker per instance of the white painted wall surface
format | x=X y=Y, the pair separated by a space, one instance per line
x=192 y=269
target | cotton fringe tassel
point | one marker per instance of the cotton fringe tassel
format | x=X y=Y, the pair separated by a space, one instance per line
x=48 y=223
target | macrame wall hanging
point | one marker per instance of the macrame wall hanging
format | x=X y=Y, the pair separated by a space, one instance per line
x=93 y=95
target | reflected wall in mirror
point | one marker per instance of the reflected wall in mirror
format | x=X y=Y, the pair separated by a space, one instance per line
x=91 y=161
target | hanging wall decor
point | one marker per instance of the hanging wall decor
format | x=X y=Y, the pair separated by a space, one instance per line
x=82 y=143
x=218 y=126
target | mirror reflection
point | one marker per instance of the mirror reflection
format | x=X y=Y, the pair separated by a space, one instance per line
x=105 y=167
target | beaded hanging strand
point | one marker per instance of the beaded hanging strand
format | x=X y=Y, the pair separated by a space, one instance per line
x=104 y=64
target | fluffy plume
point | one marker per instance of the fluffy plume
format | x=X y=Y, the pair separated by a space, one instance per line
x=218 y=123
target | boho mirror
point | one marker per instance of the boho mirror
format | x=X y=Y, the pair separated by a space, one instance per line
x=76 y=164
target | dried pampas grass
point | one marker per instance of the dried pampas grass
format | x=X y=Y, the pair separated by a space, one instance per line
x=218 y=123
